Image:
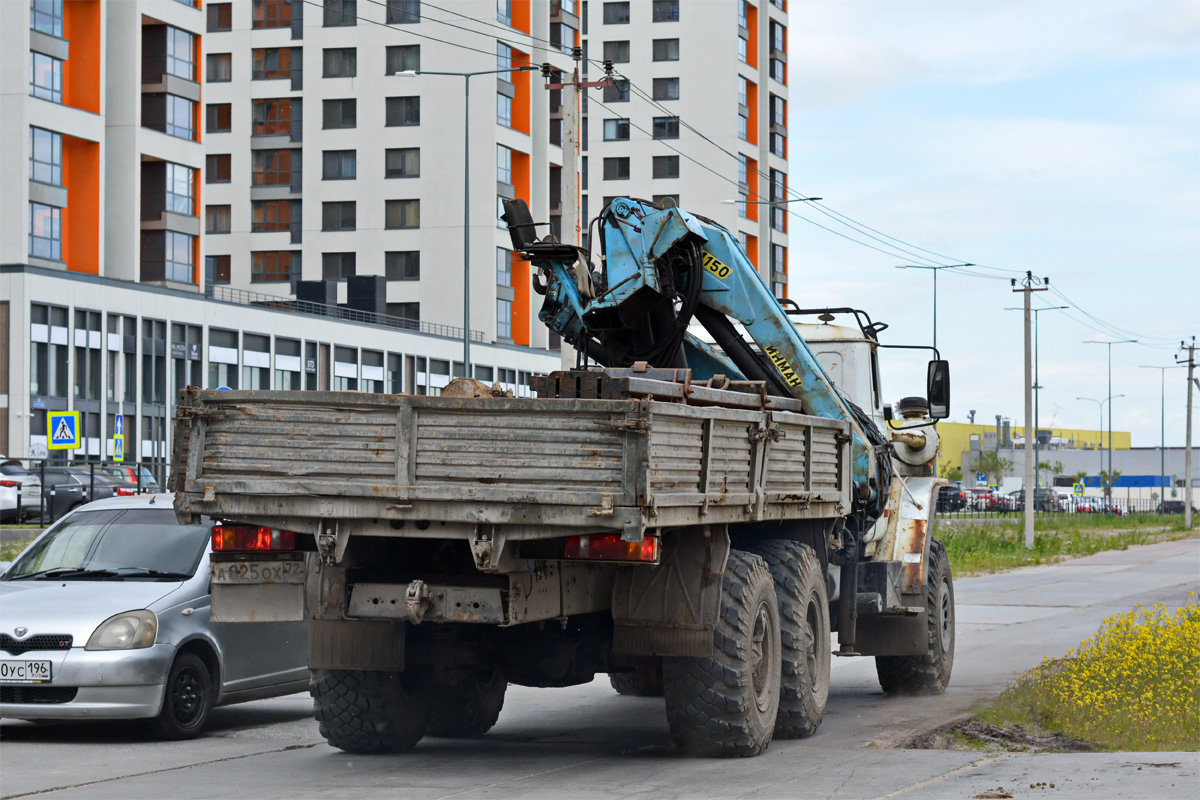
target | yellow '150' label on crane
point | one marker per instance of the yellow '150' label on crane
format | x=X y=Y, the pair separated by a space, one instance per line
x=781 y=363
x=716 y=266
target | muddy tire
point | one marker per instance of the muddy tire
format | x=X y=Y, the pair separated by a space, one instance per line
x=362 y=711
x=929 y=673
x=639 y=683
x=469 y=708
x=804 y=635
x=725 y=704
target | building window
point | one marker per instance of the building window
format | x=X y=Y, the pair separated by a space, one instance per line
x=271 y=266
x=339 y=165
x=45 y=156
x=272 y=167
x=339 y=113
x=778 y=126
x=45 y=231
x=503 y=267
x=46 y=16
x=504 y=11
x=504 y=61
x=616 y=52
x=618 y=93
x=178 y=259
x=179 y=117
x=340 y=13
x=271 y=117
x=402 y=214
x=271 y=215
x=403 y=12
x=217 y=266
x=402 y=265
x=402 y=162
x=743 y=92
x=741 y=12
x=666 y=166
x=666 y=88
x=272 y=14
x=216 y=219
x=616 y=130
x=562 y=36
x=503 y=319
x=337 y=266
x=503 y=110
x=666 y=49
x=503 y=164
x=181 y=54
x=402 y=58
x=216 y=169
x=666 y=200
x=218 y=67
x=666 y=127
x=666 y=10
x=778 y=192
x=220 y=17
x=411 y=312
x=338 y=216
x=616 y=169
x=218 y=118
x=403 y=112
x=616 y=13
x=271 y=63
x=340 y=62
x=180 y=190
x=45 y=77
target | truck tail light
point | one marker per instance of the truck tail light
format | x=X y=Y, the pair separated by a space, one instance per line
x=611 y=547
x=251 y=537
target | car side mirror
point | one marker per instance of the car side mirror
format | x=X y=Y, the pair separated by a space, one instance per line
x=938 y=389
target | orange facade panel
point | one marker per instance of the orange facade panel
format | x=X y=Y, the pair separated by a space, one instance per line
x=752 y=29
x=752 y=178
x=520 y=15
x=522 y=101
x=752 y=249
x=521 y=278
x=81 y=72
x=752 y=103
x=81 y=217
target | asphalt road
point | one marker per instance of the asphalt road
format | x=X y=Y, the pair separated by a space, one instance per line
x=586 y=741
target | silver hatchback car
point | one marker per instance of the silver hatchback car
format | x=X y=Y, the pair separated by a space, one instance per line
x=106 y=616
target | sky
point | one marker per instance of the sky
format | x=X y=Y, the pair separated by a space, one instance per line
x=1057 y=136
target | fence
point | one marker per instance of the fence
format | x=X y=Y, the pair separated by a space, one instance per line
x=952 y=504
x=46 y=490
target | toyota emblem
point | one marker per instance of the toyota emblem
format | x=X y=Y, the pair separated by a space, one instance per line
x=20 y=632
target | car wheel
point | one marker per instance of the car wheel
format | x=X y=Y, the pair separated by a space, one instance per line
x=187 y=699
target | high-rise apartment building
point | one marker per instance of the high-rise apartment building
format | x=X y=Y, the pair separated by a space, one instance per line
x=335 y=152
x=716 y=69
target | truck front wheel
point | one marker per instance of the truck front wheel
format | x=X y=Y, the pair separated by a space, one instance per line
x=929 y=673
x=364 y=711
x=725 y=704
x=470 y=707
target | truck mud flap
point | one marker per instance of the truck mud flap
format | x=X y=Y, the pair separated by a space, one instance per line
x=356 y=644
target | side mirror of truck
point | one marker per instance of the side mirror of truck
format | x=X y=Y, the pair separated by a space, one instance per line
x=938 y=389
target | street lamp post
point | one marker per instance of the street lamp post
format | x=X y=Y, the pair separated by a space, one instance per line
x=466 y=76
x=771 y=222
x=1110 y=394
x=1100 y=405
x=936 y=270
x=1162 y=447
x=1037 y=385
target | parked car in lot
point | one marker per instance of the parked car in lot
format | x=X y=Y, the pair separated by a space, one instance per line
x=17 y=482
x=951 y=498
x=981 y=498
x=129 y=473
x=1173 y=507
x=106 y=616
x=105 y=485
x=1043 y=500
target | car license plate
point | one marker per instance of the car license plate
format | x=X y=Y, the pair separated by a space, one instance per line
x=25 y=672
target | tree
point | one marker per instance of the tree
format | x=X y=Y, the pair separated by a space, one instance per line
x=951 y=472
x=1079 y=477
x=994 y=465
x=1107 y=479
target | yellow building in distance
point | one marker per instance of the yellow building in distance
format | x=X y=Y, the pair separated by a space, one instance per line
x=956 y=438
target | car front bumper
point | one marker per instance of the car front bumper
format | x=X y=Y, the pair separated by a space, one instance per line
x=109 y=684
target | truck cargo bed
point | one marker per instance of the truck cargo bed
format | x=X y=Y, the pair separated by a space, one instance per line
x=628 y=464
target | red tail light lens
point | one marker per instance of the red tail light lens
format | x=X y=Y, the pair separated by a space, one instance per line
x=250 y=537
x=117 y=490
x=611 y=547
x=10 y=484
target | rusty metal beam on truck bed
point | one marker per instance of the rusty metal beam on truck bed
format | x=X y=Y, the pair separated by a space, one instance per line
x=667 y=385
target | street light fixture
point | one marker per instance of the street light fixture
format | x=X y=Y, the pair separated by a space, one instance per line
x=1037 y=385
x=771 y=221
x=1162 y=447
x=1100 y=446
x=466 y=76
x=1110 y=394
x=936 y=270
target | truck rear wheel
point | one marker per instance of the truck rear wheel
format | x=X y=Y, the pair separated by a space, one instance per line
x=725 y=704
x=929 y=673
x=645 y=682
x=468 y=708
x=363 y=711
x=804 y=639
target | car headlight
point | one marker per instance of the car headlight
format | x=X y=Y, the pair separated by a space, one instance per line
x=126 y=631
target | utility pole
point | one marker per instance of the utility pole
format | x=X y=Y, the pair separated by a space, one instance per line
x=1029 y=285
x=1037 y=392
x=1187 y=453
x=1110 y=394
x=571 y=227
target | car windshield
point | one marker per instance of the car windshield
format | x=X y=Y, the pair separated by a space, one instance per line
x=125 y=543
x=12 y=469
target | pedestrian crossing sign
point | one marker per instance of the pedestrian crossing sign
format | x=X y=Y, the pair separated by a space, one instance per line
x=1077 y=489
x=118 y=448
x=62 y=430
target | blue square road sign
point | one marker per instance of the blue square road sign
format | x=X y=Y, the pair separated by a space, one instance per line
x=62 y=430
